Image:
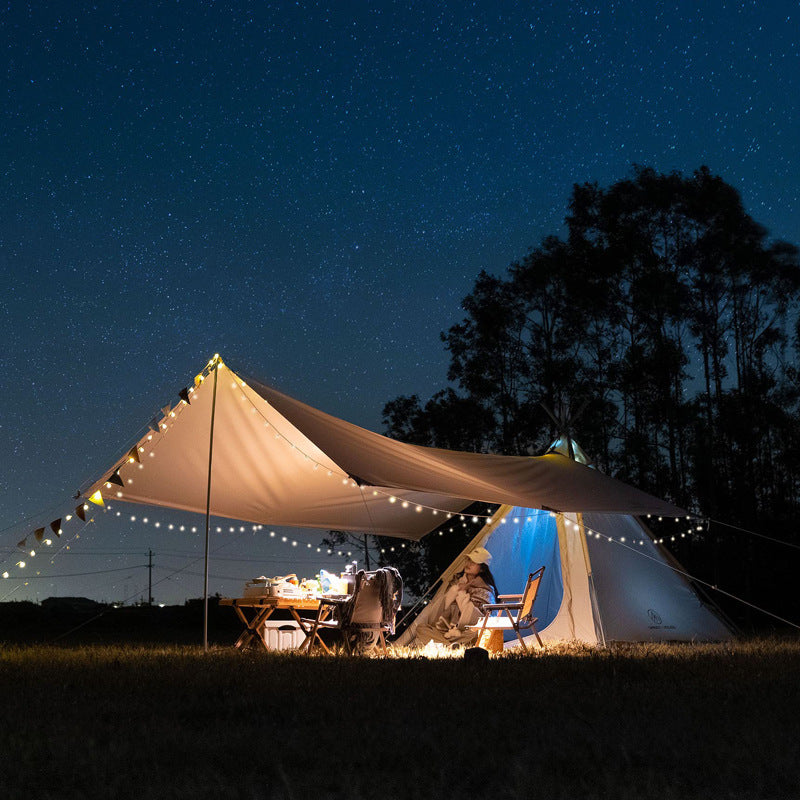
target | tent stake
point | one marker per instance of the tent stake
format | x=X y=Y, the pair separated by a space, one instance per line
x=208 y=509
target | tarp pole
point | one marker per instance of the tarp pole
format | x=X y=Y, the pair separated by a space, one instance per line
x=208 y=508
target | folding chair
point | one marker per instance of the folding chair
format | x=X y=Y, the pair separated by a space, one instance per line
x=506 y=619
x=364 y=618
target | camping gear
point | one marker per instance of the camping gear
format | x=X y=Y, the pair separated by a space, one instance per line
x=254 y=612
x=512 y=612
x=349 y=577
x=281 y=634
x=332 y=584
x=363 y=619
x=280 y=586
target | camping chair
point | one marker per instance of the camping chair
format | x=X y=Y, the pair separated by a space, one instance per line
x=522 y=604
x=365 y=617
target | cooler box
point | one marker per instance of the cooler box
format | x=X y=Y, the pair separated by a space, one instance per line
x=282 y=634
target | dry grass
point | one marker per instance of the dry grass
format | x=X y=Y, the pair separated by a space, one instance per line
x=647 y=721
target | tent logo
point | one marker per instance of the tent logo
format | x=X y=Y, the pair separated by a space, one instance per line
x=654 y=617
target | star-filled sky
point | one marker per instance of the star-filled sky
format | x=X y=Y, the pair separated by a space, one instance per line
x=310 y=189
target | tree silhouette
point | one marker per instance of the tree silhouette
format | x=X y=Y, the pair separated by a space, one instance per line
x=669 y=312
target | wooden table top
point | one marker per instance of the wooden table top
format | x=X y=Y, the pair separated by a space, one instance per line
x=311 y=603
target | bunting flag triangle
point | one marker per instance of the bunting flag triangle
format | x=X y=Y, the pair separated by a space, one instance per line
x=23 y=543
x=39 y=534
x=80 y=512
x=165 y=411
x=115 y=478
x=184 y=395
x=133 y=455
x=97 y=499
x=55 y=526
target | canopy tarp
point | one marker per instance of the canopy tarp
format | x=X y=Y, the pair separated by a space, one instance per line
x=278 y=461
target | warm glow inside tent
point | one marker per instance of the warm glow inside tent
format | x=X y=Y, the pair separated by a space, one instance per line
x=274 y=460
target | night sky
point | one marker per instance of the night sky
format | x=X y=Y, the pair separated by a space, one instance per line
x=310 y=189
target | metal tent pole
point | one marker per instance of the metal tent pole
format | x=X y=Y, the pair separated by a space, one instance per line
x=208 y=508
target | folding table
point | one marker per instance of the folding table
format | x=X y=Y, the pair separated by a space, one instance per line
x=262 y=608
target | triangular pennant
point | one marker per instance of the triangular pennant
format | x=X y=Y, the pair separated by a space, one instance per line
x=22 y=544
x=97 y=498
x=165 y=411
x=133 y=455
x=115 y=478
x=39 y=534
x=55 y=526
x=80 y=511
x=184 y=395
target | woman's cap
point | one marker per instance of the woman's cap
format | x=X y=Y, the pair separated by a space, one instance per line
x=480 y=555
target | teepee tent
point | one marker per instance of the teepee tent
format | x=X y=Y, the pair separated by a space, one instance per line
x=605 y=578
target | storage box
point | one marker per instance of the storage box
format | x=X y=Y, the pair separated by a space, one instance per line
x=260 y=587
x=282 y=635
x=271 y=587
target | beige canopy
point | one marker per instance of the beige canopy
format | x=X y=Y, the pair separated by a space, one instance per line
x=279 y=462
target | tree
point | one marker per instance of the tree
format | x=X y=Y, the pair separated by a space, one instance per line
x=666 y=310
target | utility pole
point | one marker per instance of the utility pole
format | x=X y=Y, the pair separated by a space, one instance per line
x=150 y=577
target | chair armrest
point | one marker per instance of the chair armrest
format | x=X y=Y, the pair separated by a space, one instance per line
x=333 y=601
x=500 y=606
x=335 y=598
x=330 y=603
x=508 y=596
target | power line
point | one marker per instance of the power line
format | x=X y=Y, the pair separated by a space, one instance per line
x=72 y=574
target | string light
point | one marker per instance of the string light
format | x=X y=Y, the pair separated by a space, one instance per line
x=232 y=529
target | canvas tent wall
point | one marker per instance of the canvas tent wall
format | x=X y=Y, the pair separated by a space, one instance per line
x=605 y=579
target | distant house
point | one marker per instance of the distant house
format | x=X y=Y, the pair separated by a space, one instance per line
x=73 y=604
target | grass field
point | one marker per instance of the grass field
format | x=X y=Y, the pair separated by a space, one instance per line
x=719 y=721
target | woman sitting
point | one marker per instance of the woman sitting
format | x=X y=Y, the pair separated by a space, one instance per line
x=461 y=606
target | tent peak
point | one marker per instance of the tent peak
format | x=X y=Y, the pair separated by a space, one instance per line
x=567 y=446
